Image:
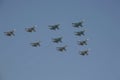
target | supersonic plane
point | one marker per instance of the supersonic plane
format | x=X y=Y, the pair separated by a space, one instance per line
x=78 y=24
x=82 y=43
x=10 y=33
x=35 y=44
x=61 y=49
x=31 y=29
x=80 y=33
x=57 y=40
x=54 y=27
x=83 y=53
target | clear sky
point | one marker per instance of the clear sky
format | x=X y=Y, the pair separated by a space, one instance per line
x=20 y=61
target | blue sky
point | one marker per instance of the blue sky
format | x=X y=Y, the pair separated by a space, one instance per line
x=20 y=61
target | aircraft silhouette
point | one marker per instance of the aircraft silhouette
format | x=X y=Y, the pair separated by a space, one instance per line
x=31 y=29
x=80 y=33
x=78 y=24
x=82 y=43
x=83 y=53
x=57 y=40
x=61 y=49
x=35 y=44
x=10 y=33
x=54 y=27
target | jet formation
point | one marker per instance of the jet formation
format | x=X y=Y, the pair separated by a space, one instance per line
x=80 y=32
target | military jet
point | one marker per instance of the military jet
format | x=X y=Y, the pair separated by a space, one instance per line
x=82 y=43
x=83 y=53
x=80 y=33
x=31 y=29
x=61 y=49
x=57 y=40
x=78 y=24
x=10 y=33
x=54 y=27
x=35 y=44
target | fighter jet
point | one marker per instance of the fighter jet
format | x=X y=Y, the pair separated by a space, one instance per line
x=83 y=53
x=57 y=40
x=54 y=27
x=10 y=33
x=61 y=49
x=35 y=44
x=80 y=33
x=78 y=24
x=82 y=43
x=31 y=29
